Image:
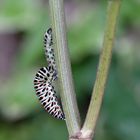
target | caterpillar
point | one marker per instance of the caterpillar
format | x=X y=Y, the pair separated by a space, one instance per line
x=44 y=79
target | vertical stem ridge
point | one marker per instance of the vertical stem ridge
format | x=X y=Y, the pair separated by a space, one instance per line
x=103 y=68
x=64 y=67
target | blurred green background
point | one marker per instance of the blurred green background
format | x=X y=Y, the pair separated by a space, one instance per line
x=22 y=25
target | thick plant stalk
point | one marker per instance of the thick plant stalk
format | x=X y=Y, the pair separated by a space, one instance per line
x=102 y=72
x=64 y=67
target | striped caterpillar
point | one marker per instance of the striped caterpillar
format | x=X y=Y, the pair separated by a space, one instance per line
x=44 y=78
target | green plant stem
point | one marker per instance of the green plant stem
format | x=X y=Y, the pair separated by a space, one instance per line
x=102 y=72
x=64 y=67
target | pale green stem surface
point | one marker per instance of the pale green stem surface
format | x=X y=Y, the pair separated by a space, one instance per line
x=102 y=72
x=67 y=94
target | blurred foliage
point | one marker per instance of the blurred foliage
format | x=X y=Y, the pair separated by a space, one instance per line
x=21 y=116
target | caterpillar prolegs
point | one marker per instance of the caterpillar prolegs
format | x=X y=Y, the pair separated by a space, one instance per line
x=44 y=78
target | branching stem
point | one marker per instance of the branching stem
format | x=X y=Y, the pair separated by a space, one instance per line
x=65 y=75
